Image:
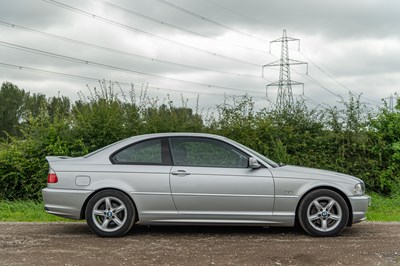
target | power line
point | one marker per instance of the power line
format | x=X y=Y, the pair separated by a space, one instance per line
x=173 y=26
x=334 y=79
x=233 y=11
x=47 y=72
x=79 y=77
x=209 y=20
x=319 y=84
x=58 y=37
x=310 y=100
x=285 y=95
x=86 y=62
x=124 y=26
x=313 y=80
x=316 y=82
x=320 y=68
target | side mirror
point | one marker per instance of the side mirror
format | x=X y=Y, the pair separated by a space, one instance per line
x=253 y=163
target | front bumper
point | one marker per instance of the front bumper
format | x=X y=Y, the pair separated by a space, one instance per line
x=66 y=203
x=360 y=204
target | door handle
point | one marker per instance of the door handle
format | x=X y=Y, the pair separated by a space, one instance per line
x=180 y=172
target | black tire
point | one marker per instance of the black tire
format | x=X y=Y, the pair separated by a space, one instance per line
x=110 y=213
x=323 y=212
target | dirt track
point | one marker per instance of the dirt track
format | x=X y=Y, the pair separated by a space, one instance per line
x=74 y=244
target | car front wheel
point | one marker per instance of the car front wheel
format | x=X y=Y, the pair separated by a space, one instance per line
x=323 y=212
x=110 y=213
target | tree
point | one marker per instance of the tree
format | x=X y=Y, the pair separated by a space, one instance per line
x=386 y=150
x=11 y=108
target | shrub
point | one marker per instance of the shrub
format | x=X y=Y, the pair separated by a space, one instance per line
x=351 y=140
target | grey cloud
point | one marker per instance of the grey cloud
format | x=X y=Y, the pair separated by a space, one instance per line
x=31 y=12
x=337 y=25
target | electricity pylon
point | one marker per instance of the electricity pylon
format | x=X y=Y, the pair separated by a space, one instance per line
x=285 y=95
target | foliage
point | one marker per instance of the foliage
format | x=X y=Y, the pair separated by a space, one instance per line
x=385 y=150
x=11 y=101
x=26 y=211
x=97 y=118
x=351 y=140
x=385 y=209
x=23 y=168
x=382 y=209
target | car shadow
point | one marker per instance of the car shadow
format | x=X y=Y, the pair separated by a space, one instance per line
x=213 y=230
x=204 y=230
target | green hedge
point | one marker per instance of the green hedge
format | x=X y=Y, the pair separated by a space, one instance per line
x=352 y=140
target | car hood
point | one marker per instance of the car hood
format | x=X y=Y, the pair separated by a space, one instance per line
x=298 y=172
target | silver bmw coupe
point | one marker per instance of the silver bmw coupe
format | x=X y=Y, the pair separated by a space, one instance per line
x=192 y=179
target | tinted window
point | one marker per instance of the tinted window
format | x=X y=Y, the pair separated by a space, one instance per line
x=206 y=152
x=147 y=152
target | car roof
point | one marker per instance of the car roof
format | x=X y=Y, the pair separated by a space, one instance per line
x=177 y=134
x=107 y=150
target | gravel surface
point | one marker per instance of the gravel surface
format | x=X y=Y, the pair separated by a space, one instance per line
x=73 y=244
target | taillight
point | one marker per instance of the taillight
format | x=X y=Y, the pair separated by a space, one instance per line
x=52 y=177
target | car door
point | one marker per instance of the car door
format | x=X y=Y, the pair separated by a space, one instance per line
x=211 y=178
x=142 y=169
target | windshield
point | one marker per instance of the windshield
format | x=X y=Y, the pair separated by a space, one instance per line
x=259 y=155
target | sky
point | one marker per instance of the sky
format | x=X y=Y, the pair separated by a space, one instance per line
x=202 y=51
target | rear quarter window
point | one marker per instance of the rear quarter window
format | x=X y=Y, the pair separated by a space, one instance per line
x=146 y=152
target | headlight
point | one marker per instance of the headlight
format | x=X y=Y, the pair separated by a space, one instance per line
x=359 y=189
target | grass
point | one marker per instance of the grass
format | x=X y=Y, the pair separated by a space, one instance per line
x=26 y=211
x=383 y=209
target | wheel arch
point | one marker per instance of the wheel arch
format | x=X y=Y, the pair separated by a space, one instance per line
x=83 y=209
x=341 y=193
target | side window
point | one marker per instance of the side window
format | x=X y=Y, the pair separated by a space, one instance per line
x=206 y=152
x=146 y=152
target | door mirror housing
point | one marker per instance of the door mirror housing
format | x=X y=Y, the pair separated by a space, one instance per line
x=253 y=163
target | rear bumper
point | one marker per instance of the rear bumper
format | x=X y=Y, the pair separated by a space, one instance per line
x=65 y=202
x=360 y=205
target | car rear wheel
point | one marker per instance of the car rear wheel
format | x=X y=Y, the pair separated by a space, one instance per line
x=110 y=213
x=323 y=212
